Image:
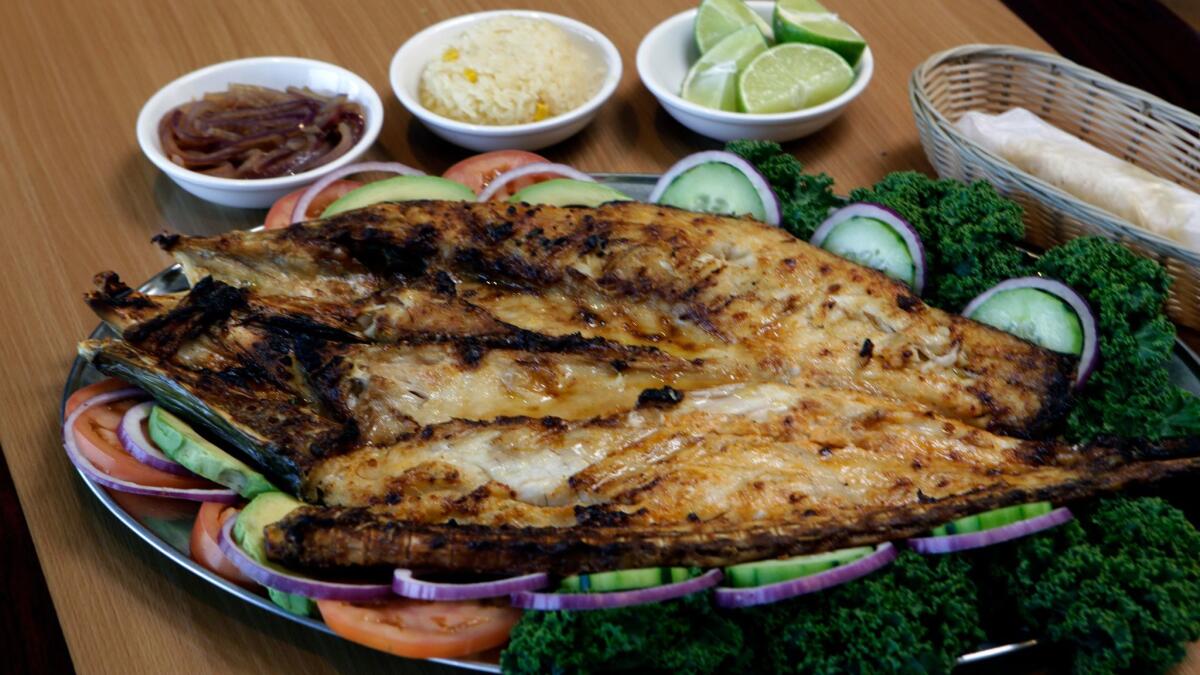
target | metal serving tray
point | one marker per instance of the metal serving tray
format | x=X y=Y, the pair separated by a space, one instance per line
x=170 y=537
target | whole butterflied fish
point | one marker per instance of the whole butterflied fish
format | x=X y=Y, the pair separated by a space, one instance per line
x=735 y=293
x=487 y=388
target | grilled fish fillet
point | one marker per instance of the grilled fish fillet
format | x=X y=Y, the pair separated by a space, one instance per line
x=741 y=296
x=483 y=480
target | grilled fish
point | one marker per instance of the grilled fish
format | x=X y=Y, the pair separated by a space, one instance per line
x=716 y=471
x=737 y=473
x=739 y=295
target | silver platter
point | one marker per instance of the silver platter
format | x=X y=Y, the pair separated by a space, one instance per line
x=170 y=539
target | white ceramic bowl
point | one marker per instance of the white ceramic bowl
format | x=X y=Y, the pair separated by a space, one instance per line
x=410 y=60
x=277 y=72
x=669 y=50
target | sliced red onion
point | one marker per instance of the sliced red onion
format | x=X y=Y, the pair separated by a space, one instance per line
x=886 y=216
x=642 y=596
x=315 y=189
x=529 y=170
x=954 y=543
x=135 y=442
x=765 y=595
x=1089 y=356
x=295 y=583
x=221 y=495
x=404 y=585
x=769 y=200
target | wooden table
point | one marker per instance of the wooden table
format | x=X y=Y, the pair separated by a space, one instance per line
x=81 y=198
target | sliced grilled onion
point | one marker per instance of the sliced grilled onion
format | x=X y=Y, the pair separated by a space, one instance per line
x=528 y=170
x=765 y=595
x=133 y=438
x=225 y=496
x=295 y=583
x=1089 y=356
x=642 y=596
x=315 y=189
x=406 y=586
x=964 y=542
x=886 y=216
x=770 y=202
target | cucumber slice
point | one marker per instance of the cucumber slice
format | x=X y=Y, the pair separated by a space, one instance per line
x=872 y=243
x=766 y=572
x=1000 y=517
x=992 y=519
x=400 y=189
x=715 y=187
x=1036 y=509
x=1034 y=315
x=624 y=580
x=568 y=192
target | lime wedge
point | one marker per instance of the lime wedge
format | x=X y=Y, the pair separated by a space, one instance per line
x=808 y=22
x=717 y=19
x=790 y=77
x=712 y=81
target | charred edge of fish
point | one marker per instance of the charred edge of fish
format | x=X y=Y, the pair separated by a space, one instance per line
x=179 y=400
x=323 y=367
x=167 y=241
x=207 y=303
x=1057 y=400
x=507 y=270
x=112 y=293
x=338 y=537
x=662 y=397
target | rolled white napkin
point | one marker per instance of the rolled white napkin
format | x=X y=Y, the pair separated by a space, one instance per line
x=1087 y=172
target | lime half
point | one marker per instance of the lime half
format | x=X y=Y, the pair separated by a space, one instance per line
x=717 y=19
x=712 y=81
x=808 y=22
x=790 y=77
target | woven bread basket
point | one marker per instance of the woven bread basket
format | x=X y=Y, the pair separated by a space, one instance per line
x=1127 y=122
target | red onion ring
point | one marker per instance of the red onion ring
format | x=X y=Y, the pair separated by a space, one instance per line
x=315 y=189
x=528 y=170
x=953 y=543
x=135 y=442
x=222 y=495
x=888 y=217
x=589 y=601
x=294 y=583
x=404 y=585
x=1089 y=356
x=764 y=595
x=770 y=201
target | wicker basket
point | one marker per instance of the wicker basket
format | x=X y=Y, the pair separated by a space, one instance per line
x=1124 y=121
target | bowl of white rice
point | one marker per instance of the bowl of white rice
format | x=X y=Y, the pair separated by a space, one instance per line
x=506 y=79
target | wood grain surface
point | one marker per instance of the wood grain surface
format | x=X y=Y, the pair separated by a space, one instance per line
x=80 y=198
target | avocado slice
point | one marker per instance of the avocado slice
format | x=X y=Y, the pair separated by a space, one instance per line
x=568 y=192
x=765 y=572
x=1000 y=517
x=181 y=443
x=400 y=189
x=267 y=508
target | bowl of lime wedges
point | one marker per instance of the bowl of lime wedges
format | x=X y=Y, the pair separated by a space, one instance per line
x=768 y=70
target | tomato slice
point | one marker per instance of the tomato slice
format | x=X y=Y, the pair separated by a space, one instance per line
x=101 y=387
x=96 y=435
x=421 y=630
x=205 y=549
x=280 y=214
x=476 y=172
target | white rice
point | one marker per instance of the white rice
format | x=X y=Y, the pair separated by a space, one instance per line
x=510 y=70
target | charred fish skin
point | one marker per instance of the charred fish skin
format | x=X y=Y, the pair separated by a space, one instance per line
x=692 y=285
